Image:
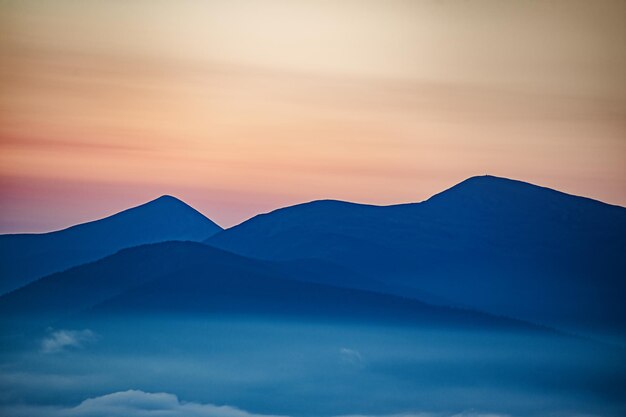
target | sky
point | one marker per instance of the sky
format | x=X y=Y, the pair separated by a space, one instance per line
x=242 y=106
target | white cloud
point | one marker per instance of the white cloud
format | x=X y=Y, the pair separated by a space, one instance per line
x=60 y=340
x=134 y=403
x=131 y=404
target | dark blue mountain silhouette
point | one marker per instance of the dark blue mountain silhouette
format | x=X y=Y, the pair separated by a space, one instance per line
x=191 y=278
x=494 y=244
x=25 y=257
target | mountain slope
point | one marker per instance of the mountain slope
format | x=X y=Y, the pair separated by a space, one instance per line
x=493 y=244
x=191 y=278
x=25 y=257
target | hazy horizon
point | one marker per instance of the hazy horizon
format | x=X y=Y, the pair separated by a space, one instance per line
x=104 y=214
x=241 y=107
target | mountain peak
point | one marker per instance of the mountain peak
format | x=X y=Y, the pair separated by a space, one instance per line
x=505 y=195
x=491 y=186
x=168 y=207
x=492 y=180
x=169 y=212
x=163 y=219
x=166 y=199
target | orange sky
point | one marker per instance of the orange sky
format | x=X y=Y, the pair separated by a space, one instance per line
x=239 y=107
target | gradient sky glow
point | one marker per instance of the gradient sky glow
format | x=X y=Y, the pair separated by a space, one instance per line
x=239 y=107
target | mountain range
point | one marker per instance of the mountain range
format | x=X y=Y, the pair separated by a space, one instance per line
x=485 y=249
x=489 y=243
x=191 y=279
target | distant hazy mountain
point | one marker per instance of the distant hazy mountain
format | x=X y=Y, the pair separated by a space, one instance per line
x=494 y=244
x=25 y=257
x=189 y=278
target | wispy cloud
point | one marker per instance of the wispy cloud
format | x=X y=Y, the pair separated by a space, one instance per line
x=351 y=356
x=60 y=340
x=136 y=403
x=132 y=403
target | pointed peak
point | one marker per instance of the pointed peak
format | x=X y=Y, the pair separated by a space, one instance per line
x=167 y=207
x=164 y=205
x=166 y=198
x=165 y=201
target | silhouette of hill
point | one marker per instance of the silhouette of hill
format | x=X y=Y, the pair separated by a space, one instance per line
x=25 y=257
x=189 y=278
x=494 y=244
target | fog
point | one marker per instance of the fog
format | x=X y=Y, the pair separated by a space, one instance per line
x=239 y=366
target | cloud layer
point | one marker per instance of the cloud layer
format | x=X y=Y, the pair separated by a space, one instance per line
x=134 y=403
x=131 y=403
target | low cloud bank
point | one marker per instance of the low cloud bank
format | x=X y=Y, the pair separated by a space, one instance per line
x=130 y=404
x=134 y=403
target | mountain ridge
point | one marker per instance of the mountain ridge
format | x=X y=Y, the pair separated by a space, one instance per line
x=471 y=181
x=204 y=280
x=24 y=257
x=488 y=243
x=498 y=245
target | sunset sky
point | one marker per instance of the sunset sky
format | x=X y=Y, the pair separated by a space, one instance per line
x=239 y=107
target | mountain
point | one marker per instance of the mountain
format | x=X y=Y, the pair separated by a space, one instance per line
x=194 y=279
x=494 y=244
x=25 y=257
